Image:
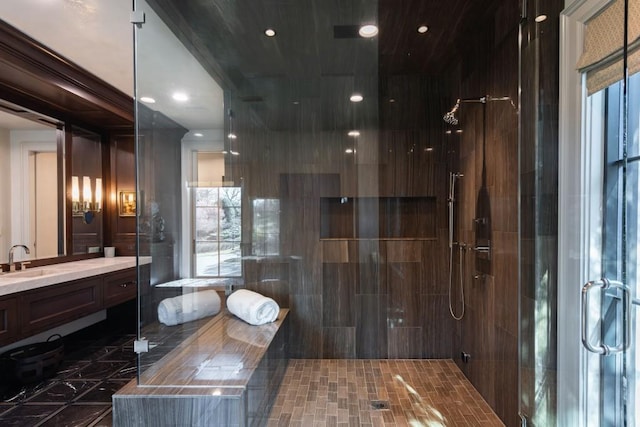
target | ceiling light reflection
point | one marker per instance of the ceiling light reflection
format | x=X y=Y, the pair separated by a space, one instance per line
x=148 y=100
x=356 y=97
x=270 y=32
x=368 y=31
x=423 y=29
x=353 y=133
x=180 y=96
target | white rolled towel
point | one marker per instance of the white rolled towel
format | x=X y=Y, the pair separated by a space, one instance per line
x=252 y=307
x=188 y=307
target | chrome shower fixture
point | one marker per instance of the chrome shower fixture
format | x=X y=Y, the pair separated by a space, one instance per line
x=450 y=117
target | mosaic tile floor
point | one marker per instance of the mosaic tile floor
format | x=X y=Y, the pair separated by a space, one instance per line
x=340 y=393
x=314 y=393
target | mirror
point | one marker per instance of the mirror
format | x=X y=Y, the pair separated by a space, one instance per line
x=32 y=165
x=34 y=184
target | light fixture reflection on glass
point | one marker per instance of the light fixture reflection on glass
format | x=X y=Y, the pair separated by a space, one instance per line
x=353 y=133
x=541 y=18
x=459 y=131
x=356 y=97
x=232 y=135
x=428 y=149
x=423 y=29
x=270 y=32
x=235 y=153
x=368 y=31
x=148 y=100
x=448 y=132
x=91 y=201
x=180 y=97
x=198 y=134
x=349 y=151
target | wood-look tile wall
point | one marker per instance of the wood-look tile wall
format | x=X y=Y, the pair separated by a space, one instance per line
x=379 y=298
x=370 y=297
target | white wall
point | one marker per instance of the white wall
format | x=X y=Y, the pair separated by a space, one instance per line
x=5 y=193
x=22 y=143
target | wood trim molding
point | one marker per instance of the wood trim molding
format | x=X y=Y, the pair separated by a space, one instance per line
x=36 y=77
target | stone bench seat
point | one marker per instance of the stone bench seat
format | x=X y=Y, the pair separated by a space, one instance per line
x=226 y=372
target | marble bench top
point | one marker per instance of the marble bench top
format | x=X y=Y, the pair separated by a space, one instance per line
x=218 y=359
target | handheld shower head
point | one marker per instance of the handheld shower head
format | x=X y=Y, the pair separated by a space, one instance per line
x=450 y=117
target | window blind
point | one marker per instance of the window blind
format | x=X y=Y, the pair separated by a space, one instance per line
x=602 y=57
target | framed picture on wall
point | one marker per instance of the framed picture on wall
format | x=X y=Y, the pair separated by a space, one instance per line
x=127 y=203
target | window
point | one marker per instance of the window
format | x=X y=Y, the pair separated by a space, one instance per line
x=217 y=231
x=266 y=227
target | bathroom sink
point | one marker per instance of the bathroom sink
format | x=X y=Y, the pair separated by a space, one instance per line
x=32 y=273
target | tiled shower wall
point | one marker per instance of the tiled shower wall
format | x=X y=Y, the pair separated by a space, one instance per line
x=488 y=194
x=350 y=297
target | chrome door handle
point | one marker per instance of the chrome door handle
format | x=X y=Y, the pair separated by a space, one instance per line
x=600 y=348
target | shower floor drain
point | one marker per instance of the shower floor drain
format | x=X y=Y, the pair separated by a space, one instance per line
x=380 y=404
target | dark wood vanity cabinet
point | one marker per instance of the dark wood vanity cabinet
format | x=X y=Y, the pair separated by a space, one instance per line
x=30 y=312
x=8 y=319
x=45 y=308
x=119 y=287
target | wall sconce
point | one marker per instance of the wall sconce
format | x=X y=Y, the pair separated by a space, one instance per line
x=91 y=201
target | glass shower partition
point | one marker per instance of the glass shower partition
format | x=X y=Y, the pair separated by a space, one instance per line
x=281 y=151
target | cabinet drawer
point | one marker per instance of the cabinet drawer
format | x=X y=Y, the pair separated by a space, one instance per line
x=8 y=320
x=55 y=305
x=120 y=287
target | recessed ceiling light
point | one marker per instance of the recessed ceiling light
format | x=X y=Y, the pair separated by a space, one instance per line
x=232 y=135
x=428 y=149
x=392 y=100
x=349 y=151
x=353 y=133
x=180 y=96
x=448 y=132
x=270 y=32
x=235 y=153
x=541 y=18
x=368 y=31
x=198 y=134
x=356 y=97
x=459 y=131
x=147 y=99
x=296 y=102
x=423 y=29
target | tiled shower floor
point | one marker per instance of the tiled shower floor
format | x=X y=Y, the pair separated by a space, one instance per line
x=340 y=393
x=313 y=393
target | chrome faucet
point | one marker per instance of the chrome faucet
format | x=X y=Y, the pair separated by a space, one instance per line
x=12 y=266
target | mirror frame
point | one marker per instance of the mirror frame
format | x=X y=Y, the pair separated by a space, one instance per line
x=39 y=79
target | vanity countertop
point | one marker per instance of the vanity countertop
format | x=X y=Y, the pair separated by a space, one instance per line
x=39 y=277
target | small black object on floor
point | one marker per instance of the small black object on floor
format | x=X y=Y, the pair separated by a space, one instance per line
x=97 y=362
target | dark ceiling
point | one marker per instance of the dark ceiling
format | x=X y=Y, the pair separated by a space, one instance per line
x=315 y=61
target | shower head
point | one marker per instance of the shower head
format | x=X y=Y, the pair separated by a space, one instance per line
x=450 y=117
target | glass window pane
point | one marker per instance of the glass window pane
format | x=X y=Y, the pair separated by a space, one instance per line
x=633 y=124
x=230 y=260
x=206 y=196
x=207 y=259
x=206 y=227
